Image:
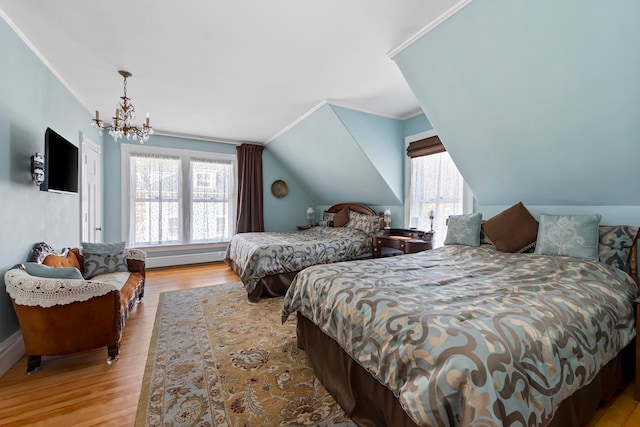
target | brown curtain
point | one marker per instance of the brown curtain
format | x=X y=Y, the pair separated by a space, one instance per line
x=250 y=199
x=425 y=147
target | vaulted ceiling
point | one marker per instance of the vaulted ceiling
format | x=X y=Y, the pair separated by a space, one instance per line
x=227 y=70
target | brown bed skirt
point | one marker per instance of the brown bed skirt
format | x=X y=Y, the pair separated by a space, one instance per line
x=369 y=403
x=275 y=285
x=270 y=286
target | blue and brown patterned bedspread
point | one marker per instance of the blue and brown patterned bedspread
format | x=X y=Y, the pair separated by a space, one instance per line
x=262 y=254
x=472 y=335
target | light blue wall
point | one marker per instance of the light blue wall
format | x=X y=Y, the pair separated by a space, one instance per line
x=332 y=165
x=32 y=99
x=536 y=101
x=339 y=154
x=415 y=125
x=285 y=213
x=381 y=138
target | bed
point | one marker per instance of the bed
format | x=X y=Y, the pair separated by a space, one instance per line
x=463 y=335
x=267 y=262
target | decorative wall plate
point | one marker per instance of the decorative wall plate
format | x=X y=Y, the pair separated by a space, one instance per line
x=279 y=188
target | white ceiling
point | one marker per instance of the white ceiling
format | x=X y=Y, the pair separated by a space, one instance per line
x=238 y=70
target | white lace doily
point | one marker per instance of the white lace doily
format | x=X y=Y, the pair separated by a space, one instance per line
x=39 y=291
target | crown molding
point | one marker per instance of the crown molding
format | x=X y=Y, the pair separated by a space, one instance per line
x=202 y=138
x=298 y=120
x=363 y=110
x=324 y=102
x=433 y=24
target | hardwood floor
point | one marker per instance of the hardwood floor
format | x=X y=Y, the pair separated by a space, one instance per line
x=82 y=390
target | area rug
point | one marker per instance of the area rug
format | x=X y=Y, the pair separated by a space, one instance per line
x=216 y=359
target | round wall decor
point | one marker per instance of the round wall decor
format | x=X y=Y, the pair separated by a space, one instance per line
x=279 y=188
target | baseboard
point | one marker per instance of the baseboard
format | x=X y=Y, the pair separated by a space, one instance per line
x=173 y=260
x=11 y=350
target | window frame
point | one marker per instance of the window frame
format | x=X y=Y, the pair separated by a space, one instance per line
x=467 y=195
x=185 y=158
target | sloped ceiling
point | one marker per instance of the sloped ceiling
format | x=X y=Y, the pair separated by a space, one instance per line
x=536 y=101
x=341 y=155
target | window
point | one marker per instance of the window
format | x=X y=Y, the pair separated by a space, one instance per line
x=210 y=200
x=436 y=185
x=155 y=197
x=177 y=197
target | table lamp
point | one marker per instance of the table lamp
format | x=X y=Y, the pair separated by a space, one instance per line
x=387 y=218
x=310 y=215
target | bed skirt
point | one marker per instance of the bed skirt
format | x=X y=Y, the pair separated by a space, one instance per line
x=270 y=286
x=369 y=403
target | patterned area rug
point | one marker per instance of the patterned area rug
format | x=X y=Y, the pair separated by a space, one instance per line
x=217 y=360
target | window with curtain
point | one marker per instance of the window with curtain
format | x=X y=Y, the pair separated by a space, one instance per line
x=210 y=201
x=179 y=199
x=155 y=194
x=436 y=185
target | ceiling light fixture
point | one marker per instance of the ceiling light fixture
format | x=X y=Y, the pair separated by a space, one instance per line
x=122 y=124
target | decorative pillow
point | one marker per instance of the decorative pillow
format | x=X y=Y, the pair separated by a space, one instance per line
x=512 y=230
x=327 y=216
x=68 y=260
x=616 y=243
x=41 y=270
x=370 y=224
x=42 y=249
x=101 y=258
x=464 y=230
x=341 y=217
x=569 y=235
x=103 y=248
x=484 y=239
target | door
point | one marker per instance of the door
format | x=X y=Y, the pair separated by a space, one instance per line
x=91 y=192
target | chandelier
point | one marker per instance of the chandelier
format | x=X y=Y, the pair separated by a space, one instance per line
x=122 y=123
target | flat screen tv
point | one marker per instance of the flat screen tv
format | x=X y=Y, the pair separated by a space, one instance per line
x=60 y=164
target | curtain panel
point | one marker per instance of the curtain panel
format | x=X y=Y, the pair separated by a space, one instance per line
x=250 y=195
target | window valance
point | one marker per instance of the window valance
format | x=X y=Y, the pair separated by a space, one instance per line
x=425 y=147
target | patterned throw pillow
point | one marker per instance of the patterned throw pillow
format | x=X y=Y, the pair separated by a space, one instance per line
x=327 y=216
x=616 y=243
x=569 y=235
x=464 y=230
x=370 y=224
x=101 y=258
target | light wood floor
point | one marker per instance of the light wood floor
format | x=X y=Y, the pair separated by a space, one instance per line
x=82 y=390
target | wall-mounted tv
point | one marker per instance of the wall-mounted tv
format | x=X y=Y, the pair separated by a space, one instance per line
x=60 y=164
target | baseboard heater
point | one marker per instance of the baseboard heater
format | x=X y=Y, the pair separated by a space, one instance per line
x=173 y=260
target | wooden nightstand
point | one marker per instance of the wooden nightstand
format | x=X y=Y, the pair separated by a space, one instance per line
x=399 y=242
